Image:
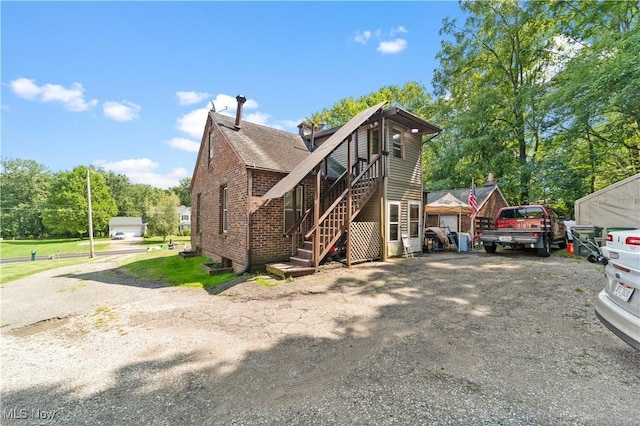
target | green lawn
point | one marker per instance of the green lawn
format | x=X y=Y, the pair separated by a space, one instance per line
x=167 y=266
x=15 y=271
x=156 y=265
x=23 y=248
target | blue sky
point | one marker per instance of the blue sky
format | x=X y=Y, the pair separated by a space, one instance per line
x=126 y=85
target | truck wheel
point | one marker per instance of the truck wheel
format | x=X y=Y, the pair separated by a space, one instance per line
x=490 y=249
x=545 y=250
x=563 y=244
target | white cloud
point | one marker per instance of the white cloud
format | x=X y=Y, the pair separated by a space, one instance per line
x=184 y=144
x=121 y=111
x=192 y=123
x=142 y=170
x=257 y=118
x=190 y=98
x=362 y=37
x=229 y=103
x=292 y=124
x=71 y=98
x=400 y=30
x=392 y=47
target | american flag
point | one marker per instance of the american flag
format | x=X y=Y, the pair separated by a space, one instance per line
x=473 y=201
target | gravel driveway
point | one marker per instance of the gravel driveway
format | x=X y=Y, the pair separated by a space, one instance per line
x=446 y=338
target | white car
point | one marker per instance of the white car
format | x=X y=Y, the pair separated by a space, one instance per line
x=618 y=304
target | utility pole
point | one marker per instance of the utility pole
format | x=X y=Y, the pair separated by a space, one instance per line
x=91 y=252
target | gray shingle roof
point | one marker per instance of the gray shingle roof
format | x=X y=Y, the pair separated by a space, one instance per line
x=262 y=147
x=482 y=193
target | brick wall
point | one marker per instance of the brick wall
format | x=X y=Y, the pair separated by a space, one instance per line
x=267 y=240
x=224 y=169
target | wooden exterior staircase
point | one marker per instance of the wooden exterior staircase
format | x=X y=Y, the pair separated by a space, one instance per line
x=343 y=202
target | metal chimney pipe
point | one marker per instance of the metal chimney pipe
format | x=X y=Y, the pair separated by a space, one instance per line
x=241 y=100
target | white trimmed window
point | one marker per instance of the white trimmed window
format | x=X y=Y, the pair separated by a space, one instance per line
x=396 y=139
x=414 y=219
x=394 y=221
x=373 y=136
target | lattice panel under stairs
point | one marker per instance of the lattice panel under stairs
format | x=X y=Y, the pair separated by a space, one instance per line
x=365 y=241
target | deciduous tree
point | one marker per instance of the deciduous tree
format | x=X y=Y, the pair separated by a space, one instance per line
x=66 y=212
x=24 y=186
x=162 y=216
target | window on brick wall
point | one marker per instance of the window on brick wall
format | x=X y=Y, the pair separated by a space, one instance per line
x=288 y=207
x=224 y=211
x=211 y=141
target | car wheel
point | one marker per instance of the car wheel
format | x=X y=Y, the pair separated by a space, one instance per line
x=545 y=250
x=490 y=249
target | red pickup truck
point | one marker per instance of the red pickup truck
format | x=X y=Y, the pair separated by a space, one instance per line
x=532 y=226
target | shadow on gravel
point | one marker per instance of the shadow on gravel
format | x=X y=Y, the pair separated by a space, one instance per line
x=450 y=343
x=115 y=276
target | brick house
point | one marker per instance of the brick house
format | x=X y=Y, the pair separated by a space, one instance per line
x=264 y=197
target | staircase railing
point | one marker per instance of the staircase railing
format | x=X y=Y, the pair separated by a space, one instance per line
x=305 y=222
x=334 y=220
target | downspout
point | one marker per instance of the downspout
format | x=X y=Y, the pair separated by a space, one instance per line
x=248 y=238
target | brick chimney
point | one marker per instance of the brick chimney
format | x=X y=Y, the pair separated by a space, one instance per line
x=241 y=100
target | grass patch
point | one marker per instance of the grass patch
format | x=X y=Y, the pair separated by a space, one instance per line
x=264 y=281
x=15 y=271
x=166 y=266
x=23 y=248
x=155 y=241
x=580 y=290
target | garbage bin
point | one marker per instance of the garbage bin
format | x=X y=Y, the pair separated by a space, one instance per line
x=584 y=238
x=464 y=241
x=33 y=255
